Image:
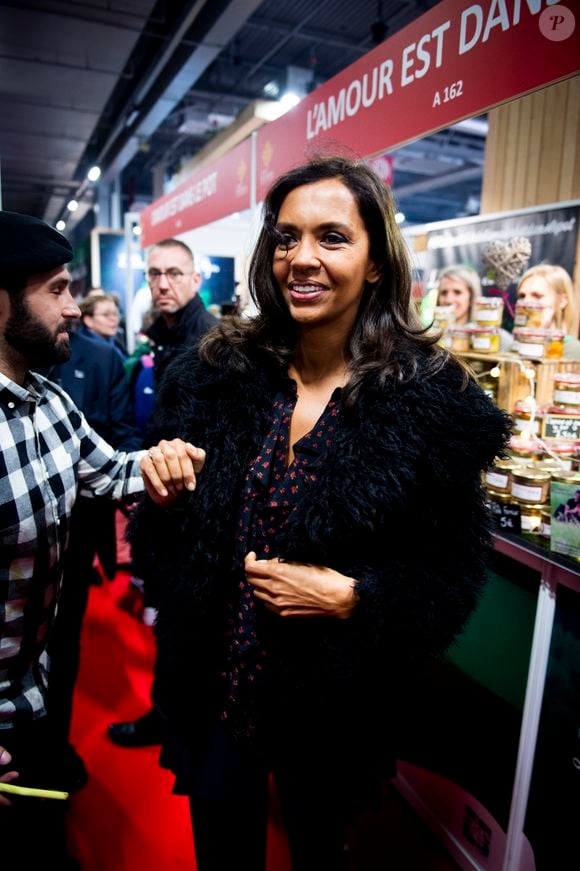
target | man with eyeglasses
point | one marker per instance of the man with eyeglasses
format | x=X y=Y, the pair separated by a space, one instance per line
x=181 y=322
x=183 y=318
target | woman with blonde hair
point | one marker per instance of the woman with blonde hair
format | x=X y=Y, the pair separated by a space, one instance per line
x=460 y=286
x=552 y=286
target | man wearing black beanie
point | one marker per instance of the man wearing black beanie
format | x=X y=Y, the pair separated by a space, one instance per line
x=47 y=453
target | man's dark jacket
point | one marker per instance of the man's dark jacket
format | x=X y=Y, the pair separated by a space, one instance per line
x=398 y=506
x=192 y=322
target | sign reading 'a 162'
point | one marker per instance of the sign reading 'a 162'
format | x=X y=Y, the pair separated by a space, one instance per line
x=457 y=60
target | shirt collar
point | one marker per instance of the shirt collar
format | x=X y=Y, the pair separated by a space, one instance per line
x=33 y=389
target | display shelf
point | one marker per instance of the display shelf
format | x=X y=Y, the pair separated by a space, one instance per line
x=513 y=385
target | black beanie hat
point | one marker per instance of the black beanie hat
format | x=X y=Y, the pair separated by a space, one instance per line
x=29 y=245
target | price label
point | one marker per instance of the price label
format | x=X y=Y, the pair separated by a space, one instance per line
x=506 y=516
x=559 y=426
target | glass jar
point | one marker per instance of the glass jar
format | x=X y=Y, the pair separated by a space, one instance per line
x=529 y=314
x=546 y=524
x=531 y=517
x=460 y=338
x=498 y=478
x=522 y=418
x=488 y=311
x=525 y=450
x=548 y=464
x=564 y=449
x=531 y=485
x=567 y=391
x=543 y=344
x=486 y=340
x=443 y=317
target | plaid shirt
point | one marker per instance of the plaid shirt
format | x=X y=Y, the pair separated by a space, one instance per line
x=48 y=453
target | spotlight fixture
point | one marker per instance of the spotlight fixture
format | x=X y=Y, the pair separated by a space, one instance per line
x=60 y=226
x=94 y=173
x=72 y=205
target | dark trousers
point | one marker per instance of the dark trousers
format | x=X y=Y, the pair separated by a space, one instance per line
x=92 y=531
x=229 y=810
x=32 y=830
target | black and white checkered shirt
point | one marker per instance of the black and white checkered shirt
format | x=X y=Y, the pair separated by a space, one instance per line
x=48 y=453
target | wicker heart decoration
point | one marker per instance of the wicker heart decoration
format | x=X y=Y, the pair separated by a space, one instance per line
x=507 y=259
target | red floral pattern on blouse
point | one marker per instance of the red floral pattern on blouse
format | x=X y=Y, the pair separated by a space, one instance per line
x=271 y=490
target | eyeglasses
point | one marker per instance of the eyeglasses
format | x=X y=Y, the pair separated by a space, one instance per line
x=173 y=276
x=115 y=315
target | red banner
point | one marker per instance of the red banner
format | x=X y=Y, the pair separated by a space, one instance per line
x=457 y=60
x=217 y=190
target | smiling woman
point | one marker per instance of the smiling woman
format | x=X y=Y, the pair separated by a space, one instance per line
x=294 y=596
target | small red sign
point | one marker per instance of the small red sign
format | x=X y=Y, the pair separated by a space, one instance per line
x=217 y=190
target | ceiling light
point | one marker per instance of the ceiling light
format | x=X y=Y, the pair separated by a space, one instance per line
x=400 y=217
x=94 y=173
x=60 y=225
x=288 y=100
x=72 y=205
x=272 y=89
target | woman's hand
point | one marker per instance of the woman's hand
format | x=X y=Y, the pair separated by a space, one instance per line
x=169 y=468
x=8 y=776
x=300 y=590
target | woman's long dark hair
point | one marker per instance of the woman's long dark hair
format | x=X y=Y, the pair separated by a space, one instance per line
x=386 y=321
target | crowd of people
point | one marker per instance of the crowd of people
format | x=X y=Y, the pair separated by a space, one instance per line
x=277 y=487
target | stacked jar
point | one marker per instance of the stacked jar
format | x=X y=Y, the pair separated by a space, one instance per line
x=529 y=314
x=539 y=344
x=487 y=314
x=531 y=490
x=566 y=398
x=526 y=421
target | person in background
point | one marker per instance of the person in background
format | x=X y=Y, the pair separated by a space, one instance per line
x=101 y=316
x=181 y=321
x=49 y=453
x=552 y=286
x=94 y=377
x=308 y=577
x=460 y=286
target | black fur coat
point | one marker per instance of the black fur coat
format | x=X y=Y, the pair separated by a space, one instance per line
x=398 y=506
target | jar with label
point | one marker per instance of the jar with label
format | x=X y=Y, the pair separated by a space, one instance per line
x=525 y=450
x=498 y=478
x=531 y=485
x=526 y=421
x=540 y=344
x=551 y=465
x=529 y=314
x=531 y=517
x=546 y=524
x=486 y=340
x=488 y=311
x=459 y=338
x=567 y=391
x=565 y=450
x=443 y=317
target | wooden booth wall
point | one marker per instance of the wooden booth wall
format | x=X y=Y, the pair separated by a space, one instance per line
x=533 y=154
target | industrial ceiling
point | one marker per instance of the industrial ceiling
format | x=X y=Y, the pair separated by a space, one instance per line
x=137 y=87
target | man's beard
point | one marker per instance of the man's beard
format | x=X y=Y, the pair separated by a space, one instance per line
x=26 y=334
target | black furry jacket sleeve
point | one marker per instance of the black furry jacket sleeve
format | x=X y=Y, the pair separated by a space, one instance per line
x=398 y=507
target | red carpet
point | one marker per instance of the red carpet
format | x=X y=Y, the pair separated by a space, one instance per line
x=126 y=818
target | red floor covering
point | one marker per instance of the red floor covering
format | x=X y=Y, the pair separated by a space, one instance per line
x=126 y=818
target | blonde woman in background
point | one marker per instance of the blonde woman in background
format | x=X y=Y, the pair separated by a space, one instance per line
x=552 y=286
x=460 y=286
